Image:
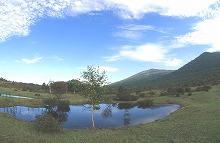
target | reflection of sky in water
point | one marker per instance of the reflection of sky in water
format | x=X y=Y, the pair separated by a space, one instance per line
x=23 y=112
x=80 y=117
x=14 y=96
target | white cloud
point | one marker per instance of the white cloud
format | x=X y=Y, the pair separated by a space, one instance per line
x=55 y=58
x=132 y=31
x=16 y=16
x=145 y=53
x=30 y=61
x=205 y=32
x=173 y=62
x=182 y=8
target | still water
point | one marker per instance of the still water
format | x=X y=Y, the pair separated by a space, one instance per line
x=14 y=96
x=105 y=115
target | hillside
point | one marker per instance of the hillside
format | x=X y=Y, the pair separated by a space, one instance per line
x=205 y=69
x=142 y=77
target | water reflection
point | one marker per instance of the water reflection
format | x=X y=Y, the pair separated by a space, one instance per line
x=58 y=109
x=14 y=96
x=105 y=115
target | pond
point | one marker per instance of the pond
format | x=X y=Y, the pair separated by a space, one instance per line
x=14 y=96
x=105 y=115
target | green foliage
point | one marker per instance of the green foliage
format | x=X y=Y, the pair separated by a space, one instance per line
x=123 y=95
x=203 y=88
x=37 y=94
x=189 y=94
x=58 y=89
x=145 y=103
x=176 y=91
x=94 y=83
x=47 y=123
x=45 y=87
x=126 y=97
x=75 y=86
x=142 y=94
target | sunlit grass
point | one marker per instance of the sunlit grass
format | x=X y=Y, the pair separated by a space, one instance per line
x=196 y=122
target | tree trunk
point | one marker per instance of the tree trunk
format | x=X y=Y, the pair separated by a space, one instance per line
x=93 y=121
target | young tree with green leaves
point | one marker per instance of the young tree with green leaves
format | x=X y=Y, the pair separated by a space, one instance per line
x=95 y=82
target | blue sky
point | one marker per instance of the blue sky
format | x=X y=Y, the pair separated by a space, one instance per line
x=57 y=39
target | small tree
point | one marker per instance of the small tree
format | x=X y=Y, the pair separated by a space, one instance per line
x=94 y=89
x=58 y=89
x=44 y=87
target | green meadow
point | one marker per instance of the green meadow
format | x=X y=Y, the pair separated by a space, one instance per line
x=197 y=121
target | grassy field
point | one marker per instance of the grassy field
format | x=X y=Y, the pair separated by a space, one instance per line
x=198 y=121
x=37 y=102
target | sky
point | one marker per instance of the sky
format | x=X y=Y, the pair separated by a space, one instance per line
x=56 y=40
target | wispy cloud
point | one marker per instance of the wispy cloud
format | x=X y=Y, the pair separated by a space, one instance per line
x=37 y=59
x=17 y=16
x=205 y=32
x=55 y=58
x=30 y=61
x=132 y=31
x=130 y=9
x=145 y=53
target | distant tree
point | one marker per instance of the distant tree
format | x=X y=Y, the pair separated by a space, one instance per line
x=58 y=89
x=94 y=81
x=44 y=87
x=75 y=86
x=123 y=95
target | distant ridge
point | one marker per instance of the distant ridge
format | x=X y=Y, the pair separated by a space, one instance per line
x=141 y=77
x=203 y=70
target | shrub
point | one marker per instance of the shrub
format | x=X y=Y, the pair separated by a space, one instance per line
x=189 y=94
x=125 y=97
x=37 y=94
x=141 y=94
x=47 y=123
x=145 y=103
x=151 y=93
x=203 y=88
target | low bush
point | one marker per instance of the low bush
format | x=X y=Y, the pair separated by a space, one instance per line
x=125 y=97
x=203 y=88
x=145 y=103
x=47 y=123
x=141 y=94
x=37 y=94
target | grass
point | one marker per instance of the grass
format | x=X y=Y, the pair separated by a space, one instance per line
x=196 y=122
x=37 y=102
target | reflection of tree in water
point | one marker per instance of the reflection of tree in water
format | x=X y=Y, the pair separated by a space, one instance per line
x=58 y=110
x=107 y=112
x=126 y=116
x=10 y=110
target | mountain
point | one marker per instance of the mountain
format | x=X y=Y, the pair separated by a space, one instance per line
x=205 y=69
x=141 y=77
